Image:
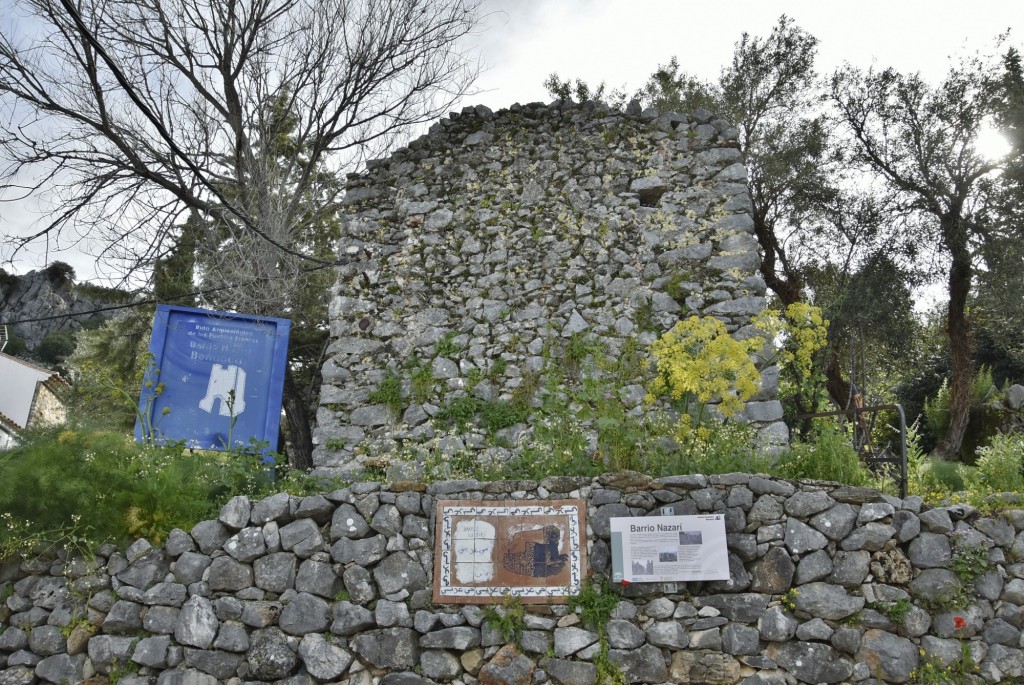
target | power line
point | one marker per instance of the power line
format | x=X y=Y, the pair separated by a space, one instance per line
x=152 y=301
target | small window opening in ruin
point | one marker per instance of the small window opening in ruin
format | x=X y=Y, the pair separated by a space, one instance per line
x=650 y=197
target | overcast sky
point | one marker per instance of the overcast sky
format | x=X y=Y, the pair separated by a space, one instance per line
x=621 y=42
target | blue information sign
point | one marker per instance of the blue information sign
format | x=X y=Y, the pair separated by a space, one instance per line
x=217 y=379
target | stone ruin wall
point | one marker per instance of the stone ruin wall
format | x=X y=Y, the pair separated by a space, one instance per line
x=490 y=244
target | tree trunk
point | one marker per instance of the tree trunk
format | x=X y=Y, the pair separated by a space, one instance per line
x=789 y=289
x=300 y=452
x=958 y=331
x=837 y=386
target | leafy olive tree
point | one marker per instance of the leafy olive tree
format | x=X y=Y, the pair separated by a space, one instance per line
x=919 y=140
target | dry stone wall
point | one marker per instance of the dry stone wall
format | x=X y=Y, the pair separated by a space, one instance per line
x=490 y=251
x=828 y=584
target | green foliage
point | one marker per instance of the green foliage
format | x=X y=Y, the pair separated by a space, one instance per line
x=507 y=618
x=55 y=347
x=8 y=282
x=872 y=304
x=458 y=412
x=104 y=293
x=438 y=465
x=934 y=671
x=389 y=393
x=895 y=611
x=152 y=389
x=954 y=203
x=669 y=89
x=644 y=318
x=789 y=599
x=579 y=347
x=422 y=377
x=999 y=466
x=715 y=447
x=826 y=456
x=595 y=603
x=558 y=447
x=492 y=415
x=446 y=346
x=969 y=562
x=574 y=406
x=800 y=332
x=59 y=274
x=579 y=91
x=85 y=486
x=934 y=480
x=174 y=273
x=984 y=418
x=107 y=368
x=79 y=622
x=119 y=670
x=498 y=414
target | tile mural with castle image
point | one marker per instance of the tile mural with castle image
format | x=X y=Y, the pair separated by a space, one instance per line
x=534 y=550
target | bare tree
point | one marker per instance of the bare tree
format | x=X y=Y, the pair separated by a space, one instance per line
x=234 y=114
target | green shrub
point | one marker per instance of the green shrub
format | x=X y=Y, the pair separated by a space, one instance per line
x=947 y=475
x=55 y=347
x=998 y=468
x=827 y=455
x=932 y=479
x=100 y=486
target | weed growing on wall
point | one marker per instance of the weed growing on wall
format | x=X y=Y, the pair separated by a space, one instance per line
x=789 y=599
x=969 y=561
x=508 y=618
x=895 y=611
x=581 y=423
x=934 y=671
x=389 y=393
x=595 y=603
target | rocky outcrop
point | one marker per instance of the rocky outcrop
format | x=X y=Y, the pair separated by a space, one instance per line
x=50 y=292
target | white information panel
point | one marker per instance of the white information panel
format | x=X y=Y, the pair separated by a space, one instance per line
x=656 y=549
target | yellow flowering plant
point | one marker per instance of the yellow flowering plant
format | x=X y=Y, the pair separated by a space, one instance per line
x=698 y=361
x=802 y=332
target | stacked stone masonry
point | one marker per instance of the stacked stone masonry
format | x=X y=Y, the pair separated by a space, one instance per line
x=484 y=248
x=829 y=584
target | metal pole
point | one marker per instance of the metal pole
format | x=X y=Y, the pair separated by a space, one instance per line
x=878 y=407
